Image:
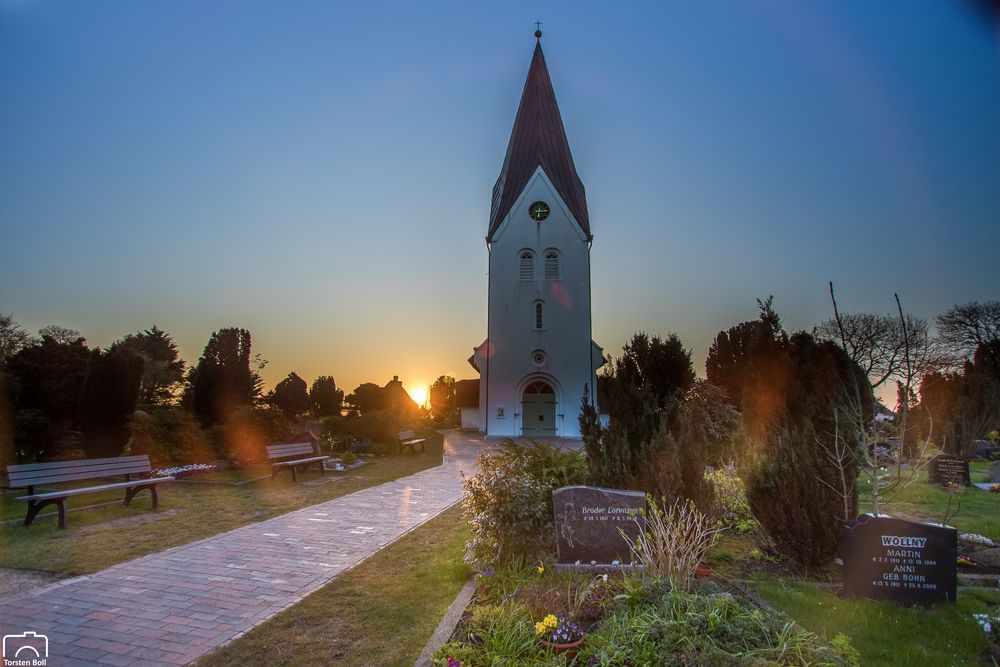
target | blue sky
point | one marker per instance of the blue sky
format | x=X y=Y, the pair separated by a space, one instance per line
x=320 y=172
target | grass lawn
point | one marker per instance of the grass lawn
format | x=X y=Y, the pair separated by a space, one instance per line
x=885 y=633
x=103 y=536
x=380 y=613
x=972 y=510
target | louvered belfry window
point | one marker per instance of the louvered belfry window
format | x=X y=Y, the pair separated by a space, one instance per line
x=551 y=265
x=527 y=265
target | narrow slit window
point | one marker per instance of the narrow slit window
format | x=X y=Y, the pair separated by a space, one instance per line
x=551 y=265
x=539 y=315
x=527 y=265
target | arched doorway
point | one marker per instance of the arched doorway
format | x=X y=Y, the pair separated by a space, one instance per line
x=538 y=410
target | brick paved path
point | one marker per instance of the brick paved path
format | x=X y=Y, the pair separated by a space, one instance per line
x=171 y=607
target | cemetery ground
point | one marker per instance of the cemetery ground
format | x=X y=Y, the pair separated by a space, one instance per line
x=188 y=511
x=884 y=633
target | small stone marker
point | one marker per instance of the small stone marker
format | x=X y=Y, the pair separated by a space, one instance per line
x=945 y=468
x=901 y=561
x=587 y=520
x=995 y=472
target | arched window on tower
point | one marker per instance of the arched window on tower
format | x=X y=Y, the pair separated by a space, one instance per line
x=552 y=264
x=539 y=315
x=526 y=265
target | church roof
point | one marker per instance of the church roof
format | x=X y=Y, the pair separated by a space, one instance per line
x=538 y=139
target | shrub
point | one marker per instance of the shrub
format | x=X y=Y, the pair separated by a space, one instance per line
x=247 y=431
x=170 y=436
x=793 y=485
x=732 y=509
x=674 y=542
x=509 y=501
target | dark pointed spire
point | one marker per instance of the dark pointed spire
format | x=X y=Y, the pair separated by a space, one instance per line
x=538 y=139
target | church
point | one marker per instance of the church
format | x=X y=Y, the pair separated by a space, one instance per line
x=538 y=358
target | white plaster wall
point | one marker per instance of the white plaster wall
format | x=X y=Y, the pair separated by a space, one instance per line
x=512 y=338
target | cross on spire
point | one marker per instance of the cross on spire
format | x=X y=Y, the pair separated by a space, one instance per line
x=538 y=29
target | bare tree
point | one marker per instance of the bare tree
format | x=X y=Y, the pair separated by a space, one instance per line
x=885 y=476
x=877 y=343
x=13 y=337
x=963 y=329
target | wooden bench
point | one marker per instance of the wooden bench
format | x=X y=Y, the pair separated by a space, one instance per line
x=30 y=475
x=298 y=449
x=409 y=439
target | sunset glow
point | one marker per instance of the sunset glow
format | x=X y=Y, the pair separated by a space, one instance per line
x=418 y=393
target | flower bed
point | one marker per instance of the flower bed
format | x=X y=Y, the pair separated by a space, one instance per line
x=521 y=617
x=181 y=472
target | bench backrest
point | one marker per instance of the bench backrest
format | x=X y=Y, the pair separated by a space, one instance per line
x=34 y=474
x=289 y=449
x=406 y=435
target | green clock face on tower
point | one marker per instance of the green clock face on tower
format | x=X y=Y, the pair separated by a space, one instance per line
x=538 y=211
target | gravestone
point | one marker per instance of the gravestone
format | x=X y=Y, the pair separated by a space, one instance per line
x=588 y=519
x=902 y=561
x=945 y=468
x=995 y=472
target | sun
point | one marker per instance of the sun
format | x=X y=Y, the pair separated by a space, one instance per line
x=418 y=394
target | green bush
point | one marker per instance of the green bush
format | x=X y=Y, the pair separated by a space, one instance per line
x=247 y=431
x=170 y=436
x=509 y=501
x=794 y=486
x=374 y=431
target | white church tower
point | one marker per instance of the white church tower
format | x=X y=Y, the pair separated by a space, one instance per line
x=538 y=356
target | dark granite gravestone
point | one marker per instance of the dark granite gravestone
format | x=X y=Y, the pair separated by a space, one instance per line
x=587 y=521
x=995 y=472
x=898 y=560
x=945 y=468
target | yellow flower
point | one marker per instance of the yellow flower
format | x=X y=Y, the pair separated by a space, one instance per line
x=550 y=621
x=541 y=569
x=539 y=628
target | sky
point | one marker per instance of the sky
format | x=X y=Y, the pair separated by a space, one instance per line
x=320 y=172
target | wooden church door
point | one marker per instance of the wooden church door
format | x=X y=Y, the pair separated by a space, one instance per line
x=538 y=411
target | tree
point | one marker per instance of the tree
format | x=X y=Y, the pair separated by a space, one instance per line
x=59 y=334
x=107 y=400
x=13 y=338
x=368 y=397
x=325 y=398
x=793 y=486
x=442 y=396
x=642 y=391
x=162 y=371
x=878 y=343
x=291 y=396
x=49 y=375
x=223 y=379
x=729 y=357
x=964 y=329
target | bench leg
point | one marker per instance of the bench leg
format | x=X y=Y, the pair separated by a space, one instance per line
x=295 y=476
x=131 y=491
x=35 y=507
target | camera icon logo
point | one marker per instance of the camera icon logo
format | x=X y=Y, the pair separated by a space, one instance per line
x=25 y=646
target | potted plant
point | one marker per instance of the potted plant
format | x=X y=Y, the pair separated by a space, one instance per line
x=991 y=626
x=559 y=634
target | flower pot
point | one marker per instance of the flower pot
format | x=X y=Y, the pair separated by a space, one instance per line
x=569 y=649
x=702 y=571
